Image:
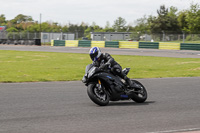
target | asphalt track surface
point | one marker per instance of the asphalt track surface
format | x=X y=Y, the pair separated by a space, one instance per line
x=64 y=107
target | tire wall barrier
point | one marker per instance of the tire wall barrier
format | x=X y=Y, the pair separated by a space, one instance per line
x=190 y=46
x=58 y=43
x=112 y=44
x=166 y=45
x=126 y=44
x=100 y=44
x=71 y=43
x=83 y=43
x=149 y=45
x=21 y=41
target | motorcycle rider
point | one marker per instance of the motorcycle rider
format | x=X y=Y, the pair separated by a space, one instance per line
x=101 y=60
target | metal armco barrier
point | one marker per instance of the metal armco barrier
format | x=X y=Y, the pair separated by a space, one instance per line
x=126 y=44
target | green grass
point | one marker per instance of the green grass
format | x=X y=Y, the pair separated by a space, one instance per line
x=26 y=66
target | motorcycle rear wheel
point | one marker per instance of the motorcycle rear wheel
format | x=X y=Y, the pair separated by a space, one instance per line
x=98 y=96
x=141 y=95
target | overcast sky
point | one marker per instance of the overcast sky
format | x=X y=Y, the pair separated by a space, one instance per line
x=88 y=11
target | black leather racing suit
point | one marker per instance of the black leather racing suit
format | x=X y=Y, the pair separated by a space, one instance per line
x=115 y=67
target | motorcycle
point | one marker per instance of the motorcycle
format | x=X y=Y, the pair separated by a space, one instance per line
x=103 y=86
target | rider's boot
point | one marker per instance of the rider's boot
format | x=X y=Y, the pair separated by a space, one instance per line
x=130 y=83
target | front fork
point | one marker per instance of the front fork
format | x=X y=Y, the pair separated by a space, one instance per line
x=99 y=86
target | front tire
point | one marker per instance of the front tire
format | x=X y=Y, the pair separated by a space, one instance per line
x=140 y=95
x=98 y=95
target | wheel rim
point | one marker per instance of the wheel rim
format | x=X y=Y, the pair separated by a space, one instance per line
x=100 y=94
x=141 y=92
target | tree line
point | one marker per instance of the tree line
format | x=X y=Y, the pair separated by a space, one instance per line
x=167 y=20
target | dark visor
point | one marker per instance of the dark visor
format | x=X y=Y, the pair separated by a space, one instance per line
x=92 y=56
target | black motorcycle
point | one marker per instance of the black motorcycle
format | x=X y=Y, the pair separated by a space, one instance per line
x=104 y=86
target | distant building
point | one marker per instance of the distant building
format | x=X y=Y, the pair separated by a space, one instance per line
x=110 y=36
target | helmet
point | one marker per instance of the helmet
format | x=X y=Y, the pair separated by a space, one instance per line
x=95 y=53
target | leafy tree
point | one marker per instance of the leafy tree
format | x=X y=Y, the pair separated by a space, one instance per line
x=193 y=19
x=166 y=21
x=162 y=12
x=96 y=28
x=12 y=29
x=173 y=25
x=73 y=28
x=65 y=28
x=46 y=27
x=119 y=24
x=160 y=23
x=21 y=18
x=87 y=32
x=183 y=24
x=107 y=25
x=108 y=28
x=81 y=29
x=142 y=25
x=2 y=19
x=35 y=27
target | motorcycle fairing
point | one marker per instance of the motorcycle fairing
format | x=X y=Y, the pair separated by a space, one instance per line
x=110 y=79
x=114 y=83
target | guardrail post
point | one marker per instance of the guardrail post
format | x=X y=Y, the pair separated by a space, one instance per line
x=183 y=36
x=28 y=35
x=163 y=35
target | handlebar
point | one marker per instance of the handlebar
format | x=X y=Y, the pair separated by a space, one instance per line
x=105 y=66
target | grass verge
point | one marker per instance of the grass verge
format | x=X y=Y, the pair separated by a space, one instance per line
x=26 y=66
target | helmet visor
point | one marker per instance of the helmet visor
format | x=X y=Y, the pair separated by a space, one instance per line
x=93 y=56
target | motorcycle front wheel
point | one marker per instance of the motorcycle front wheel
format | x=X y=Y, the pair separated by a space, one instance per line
x=97 y=94
x=140 y=94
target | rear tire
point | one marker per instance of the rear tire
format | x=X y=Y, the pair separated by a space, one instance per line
x=100 y=98
x=142 y=95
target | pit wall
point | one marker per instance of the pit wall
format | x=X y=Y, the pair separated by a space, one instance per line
x=126 y=44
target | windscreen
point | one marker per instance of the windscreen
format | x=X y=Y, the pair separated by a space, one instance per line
x=88 y=67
